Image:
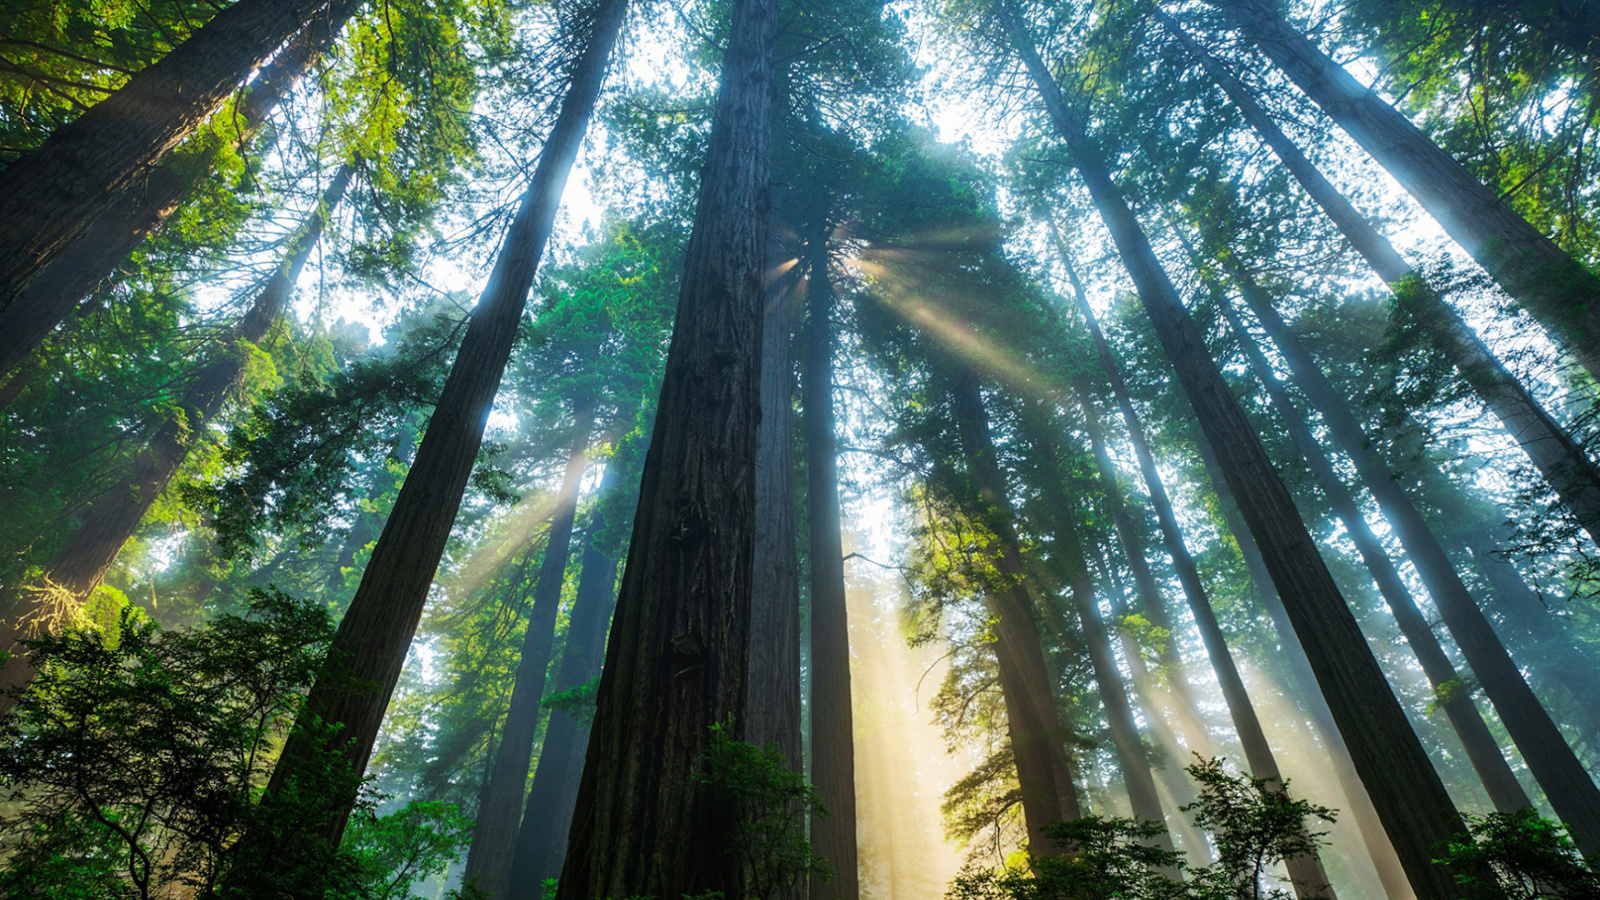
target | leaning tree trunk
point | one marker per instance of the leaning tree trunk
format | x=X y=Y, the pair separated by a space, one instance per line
x=833 y=766
x=1417 y=811
x=53 y=193
x=1566 y=783
x=375 y=634
x=1038 y=738
x=108 y=522
x=494 y=836
x=542 y=836
x=58 y=288
x=1548 y=282
x=647 y=823
x=1558 y=456
x=1307 y=873
x=1505 y=792
x=772 y=707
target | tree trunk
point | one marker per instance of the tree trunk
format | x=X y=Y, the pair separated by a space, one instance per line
x=373 y=638
x=772 y=709
x=1307 y=873
x=1559 y=457
x=646 y=823
x=833 y=766
x=1416 y=809
x=542 y=837
x=52 y=194
x=1381 y=852
x=1566 y=783
x=109 y=521
x=1452 y=694
x=1038 y=739
x=107 y=241
x=495 y=835
x=1549 y=283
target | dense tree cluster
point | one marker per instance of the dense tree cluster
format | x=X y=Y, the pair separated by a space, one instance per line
x=449 y=446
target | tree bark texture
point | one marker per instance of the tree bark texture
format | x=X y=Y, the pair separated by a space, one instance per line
x=833 y=766
x=494 y=836
x=50 y=195
x=136 y=213
x=1505 y=792
x=772 y=709
x=646 y=824
x=542 y=836
x=1558 y=456
x=375 y=634
x=1417 y=811
x=1038 y=738
x=107 y=523
x=1558 y=290
x=1566 y=783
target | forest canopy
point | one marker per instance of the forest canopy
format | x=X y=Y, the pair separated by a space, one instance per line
x=800 y=449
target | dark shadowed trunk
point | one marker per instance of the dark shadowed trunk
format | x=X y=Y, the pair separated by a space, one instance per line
x=495 y=833
x=1559 y=458
x=833 y=766
x=1504 y=790
x=1379 y=849
x=1566 y=783
x=646 y=822
x=1417 y=811
x=375 y=634
x=50 y=195
x=772 y=707
x=542 y=836
x=108 y=521
x=1549 y=283
x=105 y=244
x=1038 y=739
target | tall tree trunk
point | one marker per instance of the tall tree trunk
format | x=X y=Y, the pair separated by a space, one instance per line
x=542 y=836
x=375 y=634
x=1038 y=739
x=489 y=858
x=1557 y=455
x=1549 y=283
x=1449 y=688
x=772 y=707
x=646 y=823
x=1566 y=783
x=1307 y=872
x=1417 y=811
x=108 y=522
x=1381 y=852
x=50 y=195
x=833 y=766
x=107 y=241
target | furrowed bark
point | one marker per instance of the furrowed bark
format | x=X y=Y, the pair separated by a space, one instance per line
x=542 y=836
x=1505 y=792
x=373 y=638
x=1558 y=456
x=494 y=837
x=1558 y=290
x=52 y=194
x=136 y=213
x=833 y=767
x=108 y=522
x=1417 y=811
x=1038 y=739
x=646 y=823
x=1566 y=783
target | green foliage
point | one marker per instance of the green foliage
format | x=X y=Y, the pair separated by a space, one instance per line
x=770 y=804
x=578 y=702
x=1524 y=856
x=134 y=761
